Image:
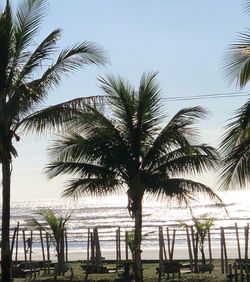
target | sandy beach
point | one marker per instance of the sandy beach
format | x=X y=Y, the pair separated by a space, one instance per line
x=147 y=254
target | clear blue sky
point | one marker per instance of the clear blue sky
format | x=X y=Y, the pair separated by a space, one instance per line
x=185 y=41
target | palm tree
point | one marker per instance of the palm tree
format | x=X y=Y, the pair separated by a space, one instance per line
x=235 y=141
x=27 y=74
x=235 y=151
x=54 y=225
x=126 y=149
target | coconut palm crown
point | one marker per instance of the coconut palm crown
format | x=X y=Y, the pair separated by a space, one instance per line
x=128 y=149
x=28 y=71
x=234 y=146
x=235 y=171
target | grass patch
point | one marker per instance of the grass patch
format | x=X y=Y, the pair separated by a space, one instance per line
x=149 y=272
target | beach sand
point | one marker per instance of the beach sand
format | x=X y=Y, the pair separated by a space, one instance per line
x=147 y=254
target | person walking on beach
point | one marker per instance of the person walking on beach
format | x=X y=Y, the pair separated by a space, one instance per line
x=29 y=244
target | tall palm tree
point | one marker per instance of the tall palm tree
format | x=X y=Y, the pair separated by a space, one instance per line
x=27 y=73
x=54 y=225
x=235 y=141
x=127 y=149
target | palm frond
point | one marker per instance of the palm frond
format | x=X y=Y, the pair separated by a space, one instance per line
x=247 y=7
x=29 y=16
x=42 y=52
x=149 y=112
x=92 y=186
x=235 y=170
x=68 y=60
x=180 y=189
x=78 y=169
x=187 y=160
x=53 y=118
x=176 y=134
x=237 y=61
x=237 y=131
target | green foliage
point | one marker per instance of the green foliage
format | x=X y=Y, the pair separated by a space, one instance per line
x=202 y=226
x=235 y=141
x=28 y=72
x=127 y=148
x=52 y=224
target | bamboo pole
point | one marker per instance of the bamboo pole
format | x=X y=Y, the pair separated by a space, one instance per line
x=172 y=247
x=168 y=243
x=189 y=249
x=62 y=252
x=24 y=249
x=195 y=248
x=225 y=250
x=222 y=251
x=88 y=245
x=42 y=246
x=30 y=254
x=209 y=246
x=193 y=240
x=126 y=245
x=238 y=239
x=48 y=252
x=118 y=248
x=119 y=245
x=17 y=231
x=160 y=254
x=163 y=244
x=92 y=249
x=246 y=241
x=13 y=241
x=66 y=247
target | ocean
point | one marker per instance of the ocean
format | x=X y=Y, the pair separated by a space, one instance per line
x=109 y=213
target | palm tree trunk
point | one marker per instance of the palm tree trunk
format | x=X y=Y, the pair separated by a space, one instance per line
x=137 y=242
x=61 y=266
x=5 y=244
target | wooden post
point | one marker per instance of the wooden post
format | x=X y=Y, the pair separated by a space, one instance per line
x=224 y=248
x=42 y=246
x=238 y=239
x=222 y=251
x=48 y=252
x=168 y=242
x=66 y=246
x=163 y=245
x=62 y=252
x=88 y=245
x=126 y=245
x=189 y=250
x=246 y=241
x=160 y=254
x=13 y=241
x=195 y=248
x=209 y=246
x=24 y=249
x=230 y=273
x=30 y=254
x=172 y=247
x=118 y=247
x=17 y=231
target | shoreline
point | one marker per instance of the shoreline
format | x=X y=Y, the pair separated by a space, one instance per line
x=180 y=253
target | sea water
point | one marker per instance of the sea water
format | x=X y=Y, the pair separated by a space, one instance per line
x=109 y=213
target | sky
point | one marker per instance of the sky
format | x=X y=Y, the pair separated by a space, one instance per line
x=184 y=41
